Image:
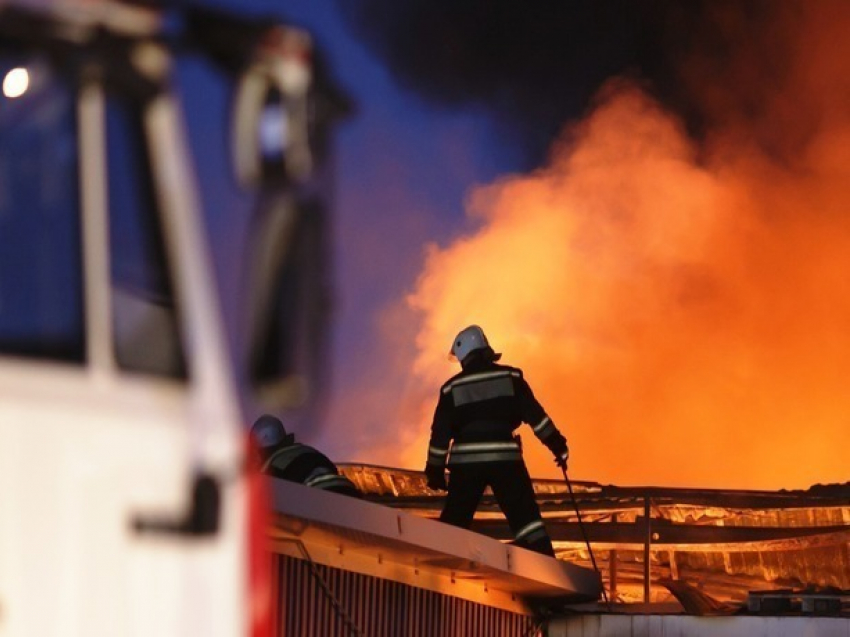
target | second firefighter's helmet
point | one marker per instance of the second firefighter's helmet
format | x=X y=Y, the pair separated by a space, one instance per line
x=268 y=431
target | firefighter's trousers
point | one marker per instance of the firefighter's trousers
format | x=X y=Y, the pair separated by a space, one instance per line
x=514 y=493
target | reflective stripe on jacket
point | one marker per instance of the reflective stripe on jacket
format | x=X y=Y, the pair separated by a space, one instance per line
x=303 y=464
x=469 y=452
x=324 y=479
x=284 y=457
x=477 y=413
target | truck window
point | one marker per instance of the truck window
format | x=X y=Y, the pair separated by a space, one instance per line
x=144 y=311
x=41 y=300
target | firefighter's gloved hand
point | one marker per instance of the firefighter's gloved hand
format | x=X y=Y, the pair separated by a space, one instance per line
x=561 y=461
x=559 y=448
x=562 y=454
x=436 y=477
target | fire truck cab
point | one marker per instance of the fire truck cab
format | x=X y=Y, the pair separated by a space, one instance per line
x=123 y=489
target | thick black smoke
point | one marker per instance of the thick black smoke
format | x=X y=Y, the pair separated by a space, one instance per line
x=536 y=65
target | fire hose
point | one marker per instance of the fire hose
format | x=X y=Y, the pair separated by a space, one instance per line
x=583 y=532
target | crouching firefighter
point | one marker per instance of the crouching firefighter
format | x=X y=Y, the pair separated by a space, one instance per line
x=476 y=416
x=286 y=459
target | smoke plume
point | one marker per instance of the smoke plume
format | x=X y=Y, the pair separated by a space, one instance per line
x=680 y=307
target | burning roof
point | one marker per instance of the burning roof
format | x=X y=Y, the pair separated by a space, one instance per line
x=724 y=542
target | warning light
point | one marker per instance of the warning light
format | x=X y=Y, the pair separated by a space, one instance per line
x=16 y=82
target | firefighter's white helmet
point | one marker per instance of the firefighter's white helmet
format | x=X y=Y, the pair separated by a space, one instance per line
x=467 y=341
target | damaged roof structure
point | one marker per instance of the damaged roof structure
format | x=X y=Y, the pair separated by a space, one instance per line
x=673 y=561
x=725 y=544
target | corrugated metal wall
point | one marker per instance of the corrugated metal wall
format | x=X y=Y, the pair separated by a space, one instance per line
x=320 y=601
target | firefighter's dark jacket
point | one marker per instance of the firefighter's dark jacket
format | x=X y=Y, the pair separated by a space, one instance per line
x=302 y=463
x=477 y=413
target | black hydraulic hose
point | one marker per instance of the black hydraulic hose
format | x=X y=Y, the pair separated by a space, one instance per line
x=314 y=572
x=584 y=534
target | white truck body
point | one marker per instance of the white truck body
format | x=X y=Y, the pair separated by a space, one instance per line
x=123 y=489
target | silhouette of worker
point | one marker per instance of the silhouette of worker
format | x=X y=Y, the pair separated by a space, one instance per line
x=473 y=436
x=286 y=459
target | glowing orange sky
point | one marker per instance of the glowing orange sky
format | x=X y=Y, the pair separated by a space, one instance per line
x=683 y=324
x=682 y=312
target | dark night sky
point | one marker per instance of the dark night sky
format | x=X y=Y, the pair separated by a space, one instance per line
x=450 y=95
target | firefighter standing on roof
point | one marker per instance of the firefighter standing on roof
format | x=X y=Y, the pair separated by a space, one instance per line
x=478 y=411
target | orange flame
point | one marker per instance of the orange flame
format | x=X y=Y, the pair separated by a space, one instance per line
x=684 y=324
x=683 y=313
